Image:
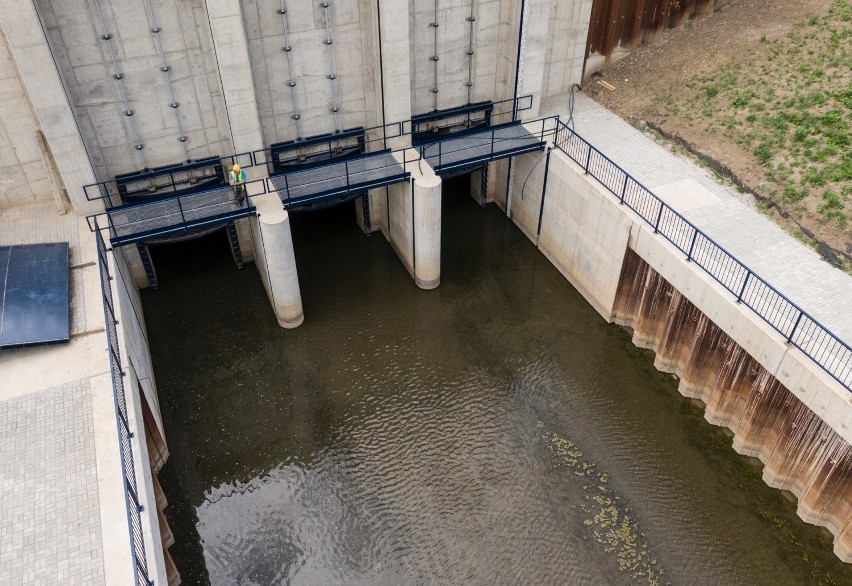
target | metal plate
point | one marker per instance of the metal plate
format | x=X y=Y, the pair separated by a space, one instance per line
x=34 y=294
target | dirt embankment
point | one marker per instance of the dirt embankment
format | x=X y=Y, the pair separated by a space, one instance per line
x=762 y=91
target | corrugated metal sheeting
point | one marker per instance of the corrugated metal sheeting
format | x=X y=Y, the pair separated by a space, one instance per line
x=624 y=24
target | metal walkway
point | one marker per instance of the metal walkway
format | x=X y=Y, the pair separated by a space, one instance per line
x=324 y=183
x=338 y=180
x=143 y=221
x=489 y=144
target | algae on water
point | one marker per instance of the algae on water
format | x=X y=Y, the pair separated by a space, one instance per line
x=608 y=520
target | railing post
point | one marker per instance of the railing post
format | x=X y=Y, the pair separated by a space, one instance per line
x=692 y=245
x=346 y=166
x=624 y=188
x=286 y=186
x=795 y=327
x=659 y=215
x=180 y=207
x=588 y=159
x=743 y=288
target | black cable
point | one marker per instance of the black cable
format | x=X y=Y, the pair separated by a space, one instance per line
x=570 y=121
x=543 y=157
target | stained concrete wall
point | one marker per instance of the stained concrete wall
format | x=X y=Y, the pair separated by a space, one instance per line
x=586 y=234
x=23 y=177
x=136 y=349
x=73 y=31
x=566 y=47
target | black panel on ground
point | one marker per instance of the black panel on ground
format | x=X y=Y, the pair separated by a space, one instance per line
x=34 y=294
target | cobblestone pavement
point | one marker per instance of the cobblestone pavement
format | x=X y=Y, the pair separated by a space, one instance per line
x=790 y=266
x=49 y=510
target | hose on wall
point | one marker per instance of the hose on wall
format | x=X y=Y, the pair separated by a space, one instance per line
x=291 y=83
x=434 y=57
x=332 y=76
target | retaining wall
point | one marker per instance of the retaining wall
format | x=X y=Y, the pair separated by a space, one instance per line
x=782 y=407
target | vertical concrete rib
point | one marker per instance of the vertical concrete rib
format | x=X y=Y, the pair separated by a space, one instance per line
x=229 y=41
x=35 y=65
x=174 y=104
x=119 y=77
x=329 y=42
x=291 y=83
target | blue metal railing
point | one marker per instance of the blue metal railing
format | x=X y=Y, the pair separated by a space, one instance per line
x=463 y=149
x=144 y=220
x=798 y=327
x=131 y=493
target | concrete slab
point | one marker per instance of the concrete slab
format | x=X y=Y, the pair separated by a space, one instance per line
x=686 y=194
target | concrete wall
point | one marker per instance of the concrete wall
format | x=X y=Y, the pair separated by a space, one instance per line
x=144 y=477
x=586 y=234
x=355 y=60
x=23 y=177
x=136 y=349
x=73 y=31
x=566 y=47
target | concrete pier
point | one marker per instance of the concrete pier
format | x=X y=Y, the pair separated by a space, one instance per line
x=427 y=229
x=414 y=221
x=277 y=261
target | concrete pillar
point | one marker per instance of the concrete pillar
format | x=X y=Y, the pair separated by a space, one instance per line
x=229 y=40
x=427 y=230
x=37 y=70
x=244 y=236
x=414 y=222
x=276 y=261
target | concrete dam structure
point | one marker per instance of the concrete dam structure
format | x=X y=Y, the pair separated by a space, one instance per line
x=121 y=121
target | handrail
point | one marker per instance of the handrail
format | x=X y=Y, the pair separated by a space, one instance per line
x=796 y=326
x=175 y=207
x=131 y=493
x=109 y=189
x=491 y=134
x=285 y=191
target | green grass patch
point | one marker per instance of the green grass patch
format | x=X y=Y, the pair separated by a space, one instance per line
x=789 y=105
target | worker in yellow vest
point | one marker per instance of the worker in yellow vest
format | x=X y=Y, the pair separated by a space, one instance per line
x=237 y=180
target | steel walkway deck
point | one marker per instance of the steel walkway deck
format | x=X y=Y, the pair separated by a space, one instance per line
x=488 y=144
x=336 y=180
x=341 y=180
x=139 y=222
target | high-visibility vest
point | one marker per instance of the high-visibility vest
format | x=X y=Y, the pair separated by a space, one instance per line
x=233 y=177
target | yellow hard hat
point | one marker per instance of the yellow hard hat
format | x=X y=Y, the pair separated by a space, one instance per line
x=235 y=167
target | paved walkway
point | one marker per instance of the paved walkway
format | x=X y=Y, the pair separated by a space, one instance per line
x=49 y=511
x=51 y=439
x=790 y=266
